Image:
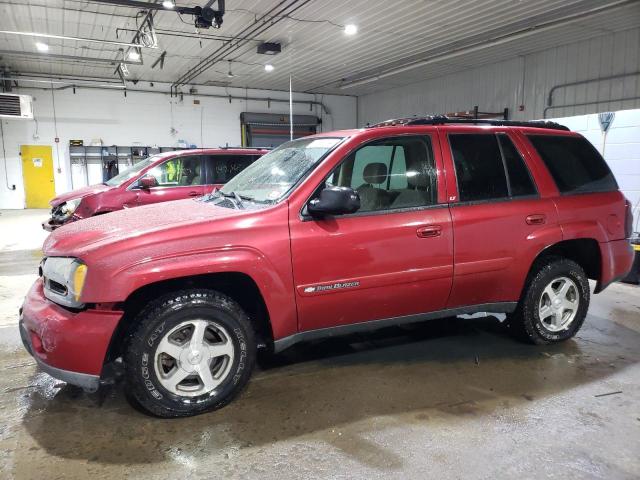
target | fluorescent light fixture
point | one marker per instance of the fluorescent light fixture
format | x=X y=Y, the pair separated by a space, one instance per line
x=350 y=29
x=268 y=68
x=42 y=47
x=168 y=4
x=133 y=55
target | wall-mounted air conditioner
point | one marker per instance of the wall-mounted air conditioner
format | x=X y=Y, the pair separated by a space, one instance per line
x=16 y=106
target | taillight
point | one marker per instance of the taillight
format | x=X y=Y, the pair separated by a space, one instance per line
x=628 y=224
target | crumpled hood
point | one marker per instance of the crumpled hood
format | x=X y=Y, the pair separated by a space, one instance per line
x=128 y=225
x=79 y=193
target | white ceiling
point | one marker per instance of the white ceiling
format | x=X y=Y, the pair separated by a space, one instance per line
x=316 y=52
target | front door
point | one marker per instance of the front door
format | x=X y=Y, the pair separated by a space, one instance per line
x=177 y=178
x=37 y=172
x=392 y=258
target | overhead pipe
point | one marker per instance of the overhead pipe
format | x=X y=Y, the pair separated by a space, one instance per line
x=508 y=37
x=62 y=82
x=179 y=33
x=75 y=58
x=78 y=39
x=582 y=104
x=209 y=95
x=259 y=26
x=582 y=82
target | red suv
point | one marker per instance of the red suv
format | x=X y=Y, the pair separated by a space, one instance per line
x=331 y=234
x=158 y=178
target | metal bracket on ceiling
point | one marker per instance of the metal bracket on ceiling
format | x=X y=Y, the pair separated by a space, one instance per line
x=160 y=60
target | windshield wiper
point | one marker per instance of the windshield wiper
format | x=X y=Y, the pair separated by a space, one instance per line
x=234 y=196
x=255 y=200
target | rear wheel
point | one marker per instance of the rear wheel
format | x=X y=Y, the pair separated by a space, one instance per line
x=554 y=303
x=192 y=351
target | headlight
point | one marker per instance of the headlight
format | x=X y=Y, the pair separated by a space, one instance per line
x=69 y=207
x=64 y=279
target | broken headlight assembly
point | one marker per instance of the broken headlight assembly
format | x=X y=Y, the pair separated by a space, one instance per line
x=69 y=207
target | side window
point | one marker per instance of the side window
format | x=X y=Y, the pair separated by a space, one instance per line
x=223 y=168
x=396 y=172
x=479 y=168
x=178 y=172
x=520 y=182
x=575 y=165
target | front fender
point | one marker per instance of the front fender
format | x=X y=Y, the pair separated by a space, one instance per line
x=247 y=260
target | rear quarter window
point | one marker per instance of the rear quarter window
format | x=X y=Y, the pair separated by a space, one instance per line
x=575 y=165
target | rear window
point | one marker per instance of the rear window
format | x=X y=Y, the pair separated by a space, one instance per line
x=575 y=165
x=479 y=168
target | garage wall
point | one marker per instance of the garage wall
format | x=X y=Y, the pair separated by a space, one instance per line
x=621 y=149
x=141 y=118
x=524 y=80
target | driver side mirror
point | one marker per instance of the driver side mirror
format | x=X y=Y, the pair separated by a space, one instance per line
x=147 y=182
x=334 y=201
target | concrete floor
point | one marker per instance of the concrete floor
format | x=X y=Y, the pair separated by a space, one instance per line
x=448 y=399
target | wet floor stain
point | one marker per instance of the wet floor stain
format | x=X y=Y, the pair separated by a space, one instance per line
x=368 y=406
x=19 y=262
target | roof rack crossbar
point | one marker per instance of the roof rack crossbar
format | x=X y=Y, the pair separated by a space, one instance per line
x=442 y=119
x=229 y=147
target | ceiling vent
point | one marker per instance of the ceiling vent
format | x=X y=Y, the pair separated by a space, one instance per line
x=269 y=48
x=16 y=106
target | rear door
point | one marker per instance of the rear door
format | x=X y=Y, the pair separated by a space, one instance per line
x=222 y=168
x=393 y=257
x=500 y=219
x=178 y=178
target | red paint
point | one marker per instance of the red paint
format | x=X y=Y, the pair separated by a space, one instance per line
x=100 y=198
x=388 y=265
x=67 y=340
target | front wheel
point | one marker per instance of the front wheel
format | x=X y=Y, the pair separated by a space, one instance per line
x=192 y=351
x=554 y=304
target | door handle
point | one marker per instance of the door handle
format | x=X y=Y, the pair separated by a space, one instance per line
x=538 y=219
x=193 y=194
x=429 y=231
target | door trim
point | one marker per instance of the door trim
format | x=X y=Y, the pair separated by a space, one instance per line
x=286 y=342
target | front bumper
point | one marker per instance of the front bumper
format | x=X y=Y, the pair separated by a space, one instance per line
x=70 y=346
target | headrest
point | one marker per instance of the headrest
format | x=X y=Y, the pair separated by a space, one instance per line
x=375 y=173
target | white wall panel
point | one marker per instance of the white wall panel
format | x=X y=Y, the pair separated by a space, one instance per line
x=139 y=118
x=525 y=80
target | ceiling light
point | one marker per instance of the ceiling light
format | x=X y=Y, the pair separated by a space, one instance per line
x=42 y=47
x=230 y=73
x=168 y=4
x=133 y=55
x=268 y=67
x=350 y=29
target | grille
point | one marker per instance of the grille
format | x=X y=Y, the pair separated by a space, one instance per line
x=10 y=105
x=56 y=287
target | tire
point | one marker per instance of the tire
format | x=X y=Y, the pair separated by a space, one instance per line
x=543 y=297
x=176 y=340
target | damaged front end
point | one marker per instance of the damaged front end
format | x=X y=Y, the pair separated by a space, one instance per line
x=61 y=214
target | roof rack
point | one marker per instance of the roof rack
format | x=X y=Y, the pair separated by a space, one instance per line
x=227 y=147
x=443 y=119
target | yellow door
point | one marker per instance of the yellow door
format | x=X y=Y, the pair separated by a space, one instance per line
x=37 y=171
